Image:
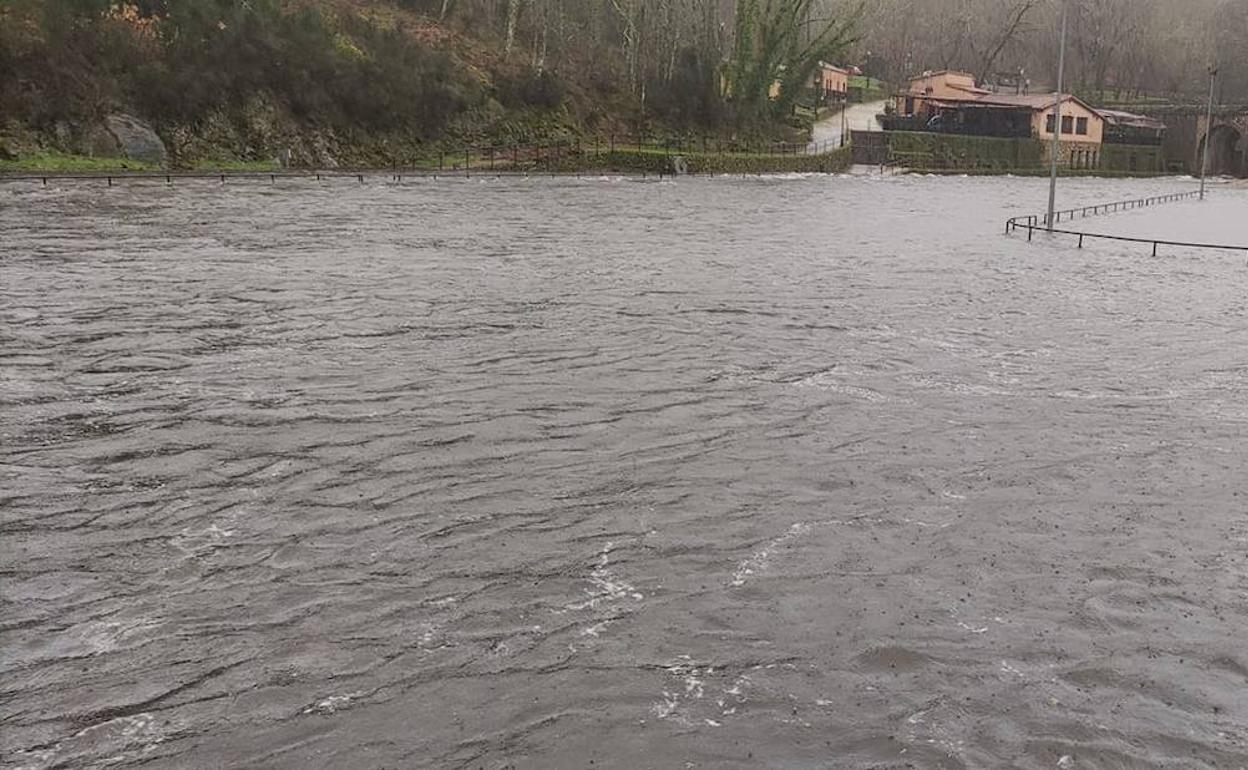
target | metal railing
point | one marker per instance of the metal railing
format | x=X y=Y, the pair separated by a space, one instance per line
x=1040 y=222
x=1097 y=209
x=554 y=156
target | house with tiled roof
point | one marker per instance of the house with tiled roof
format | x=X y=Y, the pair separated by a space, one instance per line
x=951 y=102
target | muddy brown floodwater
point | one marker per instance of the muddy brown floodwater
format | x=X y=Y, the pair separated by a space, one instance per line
x=552 y=473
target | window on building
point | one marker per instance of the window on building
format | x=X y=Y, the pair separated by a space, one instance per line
x=1048 y=123
x=1068 y=124
x=1081 y=126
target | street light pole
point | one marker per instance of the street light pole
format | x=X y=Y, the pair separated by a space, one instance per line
x=1057 y=120
x=1204 y=158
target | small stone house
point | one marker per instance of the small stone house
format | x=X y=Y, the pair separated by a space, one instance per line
x=831 y=82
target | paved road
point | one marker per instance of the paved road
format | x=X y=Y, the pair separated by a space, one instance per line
x=857 y=117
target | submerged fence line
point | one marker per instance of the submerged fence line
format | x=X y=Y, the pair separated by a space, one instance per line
x=1033 y=222
x=549 y=157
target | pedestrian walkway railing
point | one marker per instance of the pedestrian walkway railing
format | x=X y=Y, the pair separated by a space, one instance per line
x=1040 y=222
x=553 y=156
x=1097 y=209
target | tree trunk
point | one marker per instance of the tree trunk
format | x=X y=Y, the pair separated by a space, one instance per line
x=513 y=15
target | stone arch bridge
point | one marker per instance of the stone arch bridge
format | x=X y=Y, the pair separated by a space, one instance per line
x=1186 y=133
x=1228 y=143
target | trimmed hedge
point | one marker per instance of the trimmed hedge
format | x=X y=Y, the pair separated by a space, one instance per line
x=1132 y=157
x=923 y=150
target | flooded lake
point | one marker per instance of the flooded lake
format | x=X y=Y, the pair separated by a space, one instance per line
x=816 y=472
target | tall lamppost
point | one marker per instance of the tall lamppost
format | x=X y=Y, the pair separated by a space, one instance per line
x=845 y=119
x=1057 y=119
x=1204 y=158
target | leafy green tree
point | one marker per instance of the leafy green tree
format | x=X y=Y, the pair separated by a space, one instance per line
x=774 y=50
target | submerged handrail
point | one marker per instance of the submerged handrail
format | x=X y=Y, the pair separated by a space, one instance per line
x=1034 y=222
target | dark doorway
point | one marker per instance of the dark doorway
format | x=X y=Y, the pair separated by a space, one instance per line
x=1226 y=152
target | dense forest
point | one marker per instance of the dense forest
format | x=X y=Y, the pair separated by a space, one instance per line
x=380 y=79
x=1117 y=49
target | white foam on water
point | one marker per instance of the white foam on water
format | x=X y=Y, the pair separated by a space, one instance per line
x=686 y=700
x=759 y=560
x=595 y=629
x=332 y=704
x=194 y=544
x=95 y=637
x=606 y=585
x=107 y=743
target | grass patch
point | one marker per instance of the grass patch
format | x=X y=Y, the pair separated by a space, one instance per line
x=50 y=160
x=236 y=165
x=866 y=83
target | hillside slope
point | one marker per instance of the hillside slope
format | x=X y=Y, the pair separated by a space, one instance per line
x=328 y=82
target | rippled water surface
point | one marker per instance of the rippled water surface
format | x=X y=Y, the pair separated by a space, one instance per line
x=715 y=473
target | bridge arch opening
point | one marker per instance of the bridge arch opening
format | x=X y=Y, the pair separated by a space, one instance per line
x=1228 y=149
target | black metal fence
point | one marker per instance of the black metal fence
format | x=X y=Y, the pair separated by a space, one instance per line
x=556 y=153
x=1040 y=222
x=566 y=155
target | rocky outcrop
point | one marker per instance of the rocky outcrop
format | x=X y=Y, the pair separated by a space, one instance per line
x=125 y=136
x=260 y=131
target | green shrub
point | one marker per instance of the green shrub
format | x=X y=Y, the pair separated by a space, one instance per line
x=1131 y=157
x=177 y=63
x=529 y=88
